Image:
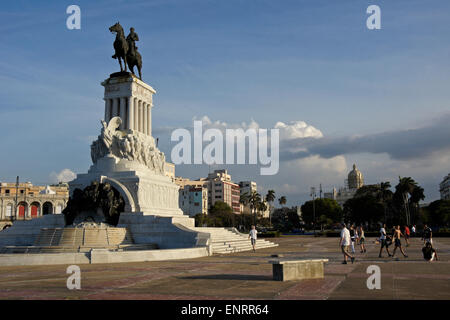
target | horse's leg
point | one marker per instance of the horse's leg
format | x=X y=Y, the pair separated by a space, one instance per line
x=120 y=62
x=125 y=60
x=140 y=74
x=130 y=65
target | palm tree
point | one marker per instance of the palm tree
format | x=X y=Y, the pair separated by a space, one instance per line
x=262 y=206
x=385 y=194
x=244 y=198
x=405 y=187
x=254 y=200
x=270 y=198
x=282 y=200
x=416 y=196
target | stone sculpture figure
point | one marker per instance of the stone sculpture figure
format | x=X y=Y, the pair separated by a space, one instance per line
x=128 y=145
x=86 y=203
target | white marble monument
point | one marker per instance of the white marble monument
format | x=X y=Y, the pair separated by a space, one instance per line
x=126 y=156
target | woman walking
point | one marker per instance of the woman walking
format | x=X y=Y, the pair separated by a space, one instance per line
x=362 y=239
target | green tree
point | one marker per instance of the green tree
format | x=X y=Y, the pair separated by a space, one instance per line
x=362 y=209
x=285 y=219
x=407 y=196
x=222 y=215
x=254 y=200
x=439 y=213
x=270 y=196
x=328 y=208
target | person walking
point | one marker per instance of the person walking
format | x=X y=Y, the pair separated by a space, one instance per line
x=362 y=239
x=252 y=236
x=344 y=243
x=383 y=241
x=413 y=230
x=353 y=236
x=427 y=235
x=406 y=234
x=397 y=242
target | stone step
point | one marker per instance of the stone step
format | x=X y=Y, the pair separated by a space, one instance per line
x=224 y=247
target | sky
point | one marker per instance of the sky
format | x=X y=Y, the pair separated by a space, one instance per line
x=339 y=92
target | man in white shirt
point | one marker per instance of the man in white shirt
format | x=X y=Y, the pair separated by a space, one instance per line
x=252 y=236
x=344 y=243
x=383 y=241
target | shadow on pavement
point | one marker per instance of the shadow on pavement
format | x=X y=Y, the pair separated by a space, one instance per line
x=232 y=277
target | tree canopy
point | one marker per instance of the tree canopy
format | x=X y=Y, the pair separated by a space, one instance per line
x=328 y=208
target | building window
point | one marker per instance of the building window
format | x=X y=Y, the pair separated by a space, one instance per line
x=7 y=191
x=22 y=191
x=9 y=210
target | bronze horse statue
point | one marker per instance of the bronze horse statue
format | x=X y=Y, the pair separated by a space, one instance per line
x=126 y=50
x=120 y=45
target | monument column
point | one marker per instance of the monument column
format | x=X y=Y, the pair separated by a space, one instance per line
x=115 y=104
x=149 y=119
x=107 y=109
x=124 y=90
x=144 y=111
x=140 y=115
x=136 y=114
x=130 y=120
x=123 y=114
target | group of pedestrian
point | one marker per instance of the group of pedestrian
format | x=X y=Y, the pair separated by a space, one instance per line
x=350 y=237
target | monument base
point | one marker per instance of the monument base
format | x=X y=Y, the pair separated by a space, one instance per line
x=142 y=189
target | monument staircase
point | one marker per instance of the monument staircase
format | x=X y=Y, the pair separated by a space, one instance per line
x=229 y=240
x=81 y=240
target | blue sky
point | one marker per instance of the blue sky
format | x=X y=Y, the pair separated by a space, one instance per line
x=234 y=61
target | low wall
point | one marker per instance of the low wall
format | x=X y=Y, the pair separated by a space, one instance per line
x=105 y=256
x=100 y=256
x=32 y=259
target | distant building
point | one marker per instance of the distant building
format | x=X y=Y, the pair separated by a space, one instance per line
x=193 y=200
x=444 y=188
x=32 y=201
x=193 y=196
x=221 y=188
x=355 y=180
x=247 y=187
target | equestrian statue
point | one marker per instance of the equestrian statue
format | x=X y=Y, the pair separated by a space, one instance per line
x=126 y=49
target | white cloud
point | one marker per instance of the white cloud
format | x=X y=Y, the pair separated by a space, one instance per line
x=297 y=129
x=64 y=175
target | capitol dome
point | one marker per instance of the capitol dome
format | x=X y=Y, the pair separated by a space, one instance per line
x=355 y=178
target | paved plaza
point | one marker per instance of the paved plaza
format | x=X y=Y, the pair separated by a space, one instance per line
x=244 y=275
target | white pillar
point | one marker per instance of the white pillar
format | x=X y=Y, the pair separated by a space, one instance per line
x=144 y=118
x=115 y=110
x=141 y=118
x=107 y=109
x=149 y=119
x=123 y=114
x=130 y=120
x=136 y=114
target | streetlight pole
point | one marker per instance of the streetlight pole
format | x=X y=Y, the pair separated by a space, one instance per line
x=17 y=194
x=313 y=195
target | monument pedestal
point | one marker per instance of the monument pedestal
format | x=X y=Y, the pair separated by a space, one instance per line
x=125 y=156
